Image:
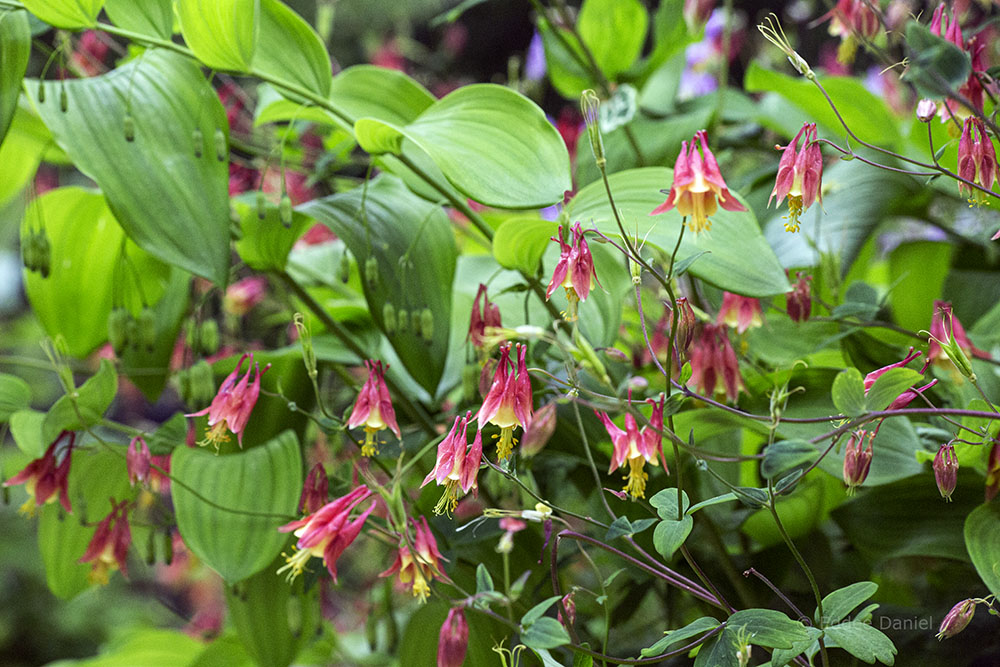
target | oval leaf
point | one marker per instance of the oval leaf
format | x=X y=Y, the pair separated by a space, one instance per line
x=146 y=17
x=520 y=242
x=288 y=48
x=15 y=394
x=615 y=31
x=15 y=47
x=982 y=539
x=69 y=14
x=222 y=33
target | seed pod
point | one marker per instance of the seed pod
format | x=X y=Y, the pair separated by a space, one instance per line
x=147 y=328
x=199 y=140
x=221 y=148
x=415 y=317
x=285 y=210
x=402 y=320
x=43 y=253
x=128 y=125
x=28 y=252
x=261 y=205
x=41 y=92
x=202 y=383
x=168 y=548
x=118 y=329
x=208 y=337
x=371 y=271
x=132 y=336
x=389 y=319
x=345 y=267
x=427 y=324
x=151 y=548
x=63 y=99
x=183 y=377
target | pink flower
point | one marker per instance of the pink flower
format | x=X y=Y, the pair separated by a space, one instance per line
x=739 y=312
x=230 y=409
x=454 y=639
x=416 y=570
x=373 y=408
x=482 y=317
x=800 y=176
x=109 y=546
x=876 y=374
x=138 y=460
x=635 y=447
x=857 y=461
x=315 y=490
x=977 y=161
x=697 y=186
x=946 y=470
x=455 y=467
x=539 y=430
x=243 y=295
x=712 y=359
x=799 y=300
x=574 y=271
x=957 y=619
x=43 y=478
x=852 y=16
x=326 y=533
x=508 y=402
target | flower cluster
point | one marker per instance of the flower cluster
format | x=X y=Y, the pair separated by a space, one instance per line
x=508 y=402
x=977 y=162
x=46 y=477
x=110 y=544
x=574 y=271
x=713 y=360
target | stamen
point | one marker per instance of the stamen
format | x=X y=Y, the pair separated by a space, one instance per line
x=370 y=445
x=636 y=478
x=215 y=435
x=295 y=563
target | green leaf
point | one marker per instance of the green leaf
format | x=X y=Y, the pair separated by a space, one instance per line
x=85 y=406
x=982 y=539
x=289 y=49
x=733 y=237
x=545 y=633
x=935 y=65
x=563 y=60
x=665 y=502
x=400 y=100
x=614 y=31
x=15 y=48
x=849 y=392
x=767 y=627
x=863 y=641
x=492 y=143
x=87 y=271
x=781 y=657
x=719 y=651
x=520 y=242
x=252 y=493
x=412 y=242
x=538 y=610
x=622 y=526
x=146 y=647
x=146 y=17
x=484 y=582
x=717 y=500
x=693 y=629
x=222 y=33
x=15 y=395
x=69 y=14
x=917 y=272
x=785 y=455
x=670 y=535
x=169 y=202
x=26 y=429
x=889 y=386
x=266 y=242
x=842 y=601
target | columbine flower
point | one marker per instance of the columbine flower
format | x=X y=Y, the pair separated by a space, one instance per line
x=373 y=408
x=454 y=639
x=635 y=447
x=907 y=396
x=800 y=176
x=799 y=300
x=109 y=546
x=739 y=312
x=43 y=478
x=230 y=409
x=508 y=403
x=315 y=490
x=244 y=294
x=949 y=342
x=326 y=533
x=486 y=316
x=419 y=569
x=455 y=467
x=539 y=430
x=712 y=359
x=574 y=271
x=138 y=460
x=697 y=184
x=957 y=619
x=946 y=470
x=857 y=461
x=977 y=161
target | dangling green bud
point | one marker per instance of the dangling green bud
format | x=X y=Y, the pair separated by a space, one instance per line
x=371 y=271
x=63 y=99
x=132 y=335
x=590 y=105
x=41 y=92
x=285 y=210
x=118 y=329
x=28 y=252
x=199 y=140
x=427 y=324
x=151 y=548
x=345 y=267
x=128 y=125
x=168 y=548
x=147 y=328
x=191 y=336
x=202 y=383
x=221 y=148
x=415 y=317
x=208 y=337
x=183 y=378
x=43 y=253
x=389 y=319
x=261 y=205
x=402 y=320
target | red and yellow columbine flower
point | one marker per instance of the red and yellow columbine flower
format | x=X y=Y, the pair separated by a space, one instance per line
x=857 y=461
x=230 y=409
x=243 y=295
x=574 y=271
x=455 y=467
x=109 y=546
x=326 y=533
x=417 y=570
x=138 y=460
x=508 y=402
x=977 y=161
x=44 y=479
x=698 y=188
x=315 y=490
x=799 y=300
x=800 y=176
x=373 y=408
x=740 y=312
x=635 y=447
x=453 y=642
x=847 y=19
x=713 y=359
x=487 y=315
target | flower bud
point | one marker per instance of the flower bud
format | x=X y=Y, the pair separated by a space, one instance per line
x=63 y=99
x=198 y=139
x=415 y=323
x=570 y=606
x=926 y=110
x=41 y=92
x=539 y=430
x=128 y=126
x=137 y=460
x=957 y=619
x=285 y=210
x=147 y=329
x=402 y=320
x=389 y=319
x=261 y=205
x=946 y=470
x=43 y=253
x=427 y=324
x=221 y=148
x=315 y=490
x=799 y=300
x=168 y=548
x=454 y=639
x=857 y=461
x=371 y=272
x=208 y=337
x=590 y=105
x=118 y=329
x=344 y=271
x=686 y=325
x=28 y=252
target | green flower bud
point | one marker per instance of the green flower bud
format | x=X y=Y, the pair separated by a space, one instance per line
x=389 y=319
x=208 y=337
x=63 y=99
x=28 y=254
x=261 y=205
x=168 y=548
x=118 y=329
x=221 y=148
x=128 y=125
x=43 y=253
x=345 y=267
x=147 y=329
x=590 y=105
x=132 y=335
x=427 y=324
x=371 y=271
x=416 y=323
x=202 y=383
x=402 y=320
x=198 y=140
x=41 y=92
x=285 y=210
x=183 y=378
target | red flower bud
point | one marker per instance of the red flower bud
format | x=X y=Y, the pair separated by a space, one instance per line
x=137 y=460
x=957 y=619
x=857 y=461
x=454 y=639
x=946 y=470
x=799 y=300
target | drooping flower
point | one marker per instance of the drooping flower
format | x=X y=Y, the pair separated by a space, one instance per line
x=574 y=271
x=799 y=300
x=109 y=546
x=907 y=396
x=453 y=642
x=698 y=187
x=230 y=409
x=326 y=533
x=850 y=19
x=635 y=447
x=977 y=162
x=713 y=359
x=957 y=619
x=44 y=478
x=138 y=460
x=946 y=470
x=457 y=465
x=488 y=315
x=740 y=312
x=949 y=344
x=857 y=461
x=244 y=294
x=972 y=90
x=417 y=569
x=539 y=430
x=508 y=402
x=800 y=176
x=373 y=408
x=315 y=490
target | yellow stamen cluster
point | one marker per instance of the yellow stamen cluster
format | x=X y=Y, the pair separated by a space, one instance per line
x=506 y=445
x=794 y=211
x=295 y=563
x=215 y=435
x=572 y=301
x=371 y=443
x=636 y=478
x=449 y=499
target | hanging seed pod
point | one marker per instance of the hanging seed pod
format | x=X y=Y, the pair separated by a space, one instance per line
x=345 y=267
x=183 y=377
x=202 y=383
x=199 y=140
x=191 y=336
x=261 y=205
x=208 y=337
x=168 y=548
x=118 y=329
x=43 y=253
x=427 y=324
x=41 y=92
x=63 y=99
x=415 y=318
x=371 y=271
x=285 y=210
x=402 y=320
x=389 y=318
x=151 y=548
x=28 y=254
x=147 y=328
x=221 y=148
x=128 y=125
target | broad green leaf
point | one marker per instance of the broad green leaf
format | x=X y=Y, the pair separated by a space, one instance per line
x=670 y=534
x=665 y=502
x=935 y=66
x=146 y=17
x=670 y=35
x=69 y=14
x=717 y=500
x=27 y=143
x=767 y=627
x=849 y=392
x=15 y=395
x=520 y=242
x=719 y=651
x=26 y=429
x=412 y=244
x=253 y=493
x=170 y=202
x=493 y=144
x=538 y=610
x=982 y=539
x=889 y=386
x=85 y=406
x=289 y=49
x=785 y=455
x=690 y=631
x=733 y=237
x=88 y=276
x=545 y=633
x=838 y=604
x=147 y=647
x=863 y=641
x=917 y=272
x=224 y=651
x=266 y=242
x=614 y=31
x=564 y=60
x=400 y=100
x=222 y=33
x=15 y=48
